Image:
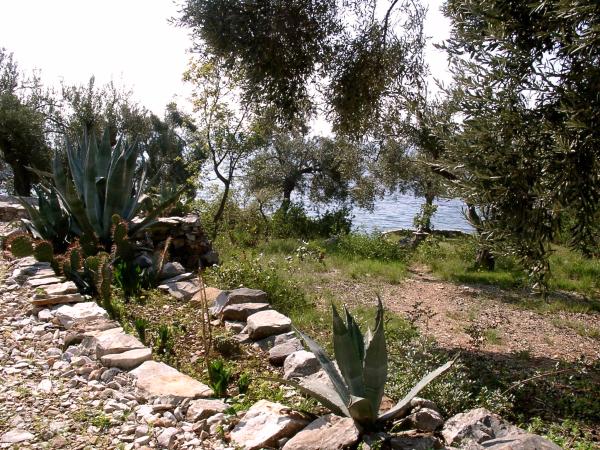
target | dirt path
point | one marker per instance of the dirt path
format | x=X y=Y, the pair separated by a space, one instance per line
x=498 y=326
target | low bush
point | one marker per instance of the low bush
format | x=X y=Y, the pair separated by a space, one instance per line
x=257 y=272
x=368 y=246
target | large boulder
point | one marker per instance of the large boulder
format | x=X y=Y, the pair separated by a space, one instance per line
x=68 y=315
x=267 y=323
x=329 y=432
x=241 y=295
x=300 y=364
x=160 y=380
x=171 y=269
x=211 y=295
x=264 y=424
x=241 y=311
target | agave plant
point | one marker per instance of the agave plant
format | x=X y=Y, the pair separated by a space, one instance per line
x=359 y=383
x=100 y=183
x=49 y=220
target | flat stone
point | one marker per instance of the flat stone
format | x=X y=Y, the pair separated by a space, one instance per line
x=279 y=353
x=68 y=287
x=171 y=269
x=36 y=282
x=159 y=380
x=204 y=408
x=329 y=432
x=80 y=329
x=267 y=323
x=241 y=311
x=111 y=341
x=166 y=439
x=300 y=364
x=87 y=311
x=46 y=300
x=127 y=360
x=264 y=424
x=241 y=295
x=181 y=290
x=525 y=441
x=45 y=315
x=16 y=436
x=211 y=295
x=271 y=341
x=181 y=277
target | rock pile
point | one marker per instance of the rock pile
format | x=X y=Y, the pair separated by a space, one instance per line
x=72 y=378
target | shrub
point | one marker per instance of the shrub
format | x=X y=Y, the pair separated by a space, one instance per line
x=369 y=246
x=283 y=293
x=293 y=222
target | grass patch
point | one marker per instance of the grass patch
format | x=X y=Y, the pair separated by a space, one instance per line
x=581 y=328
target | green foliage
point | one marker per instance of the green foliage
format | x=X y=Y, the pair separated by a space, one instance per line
x=422 y=220
x=128 y=277
x=164 y=340
x=243 y=383
x=44 y=251
x=284 y=294
x=359 y=56
x=294 y=222
x=362 y=375
x=528 y=149
x=141 y=325
x=49 y=220
x=93 y=204
x=21 y=245
x=368 y=246
x=219 y=376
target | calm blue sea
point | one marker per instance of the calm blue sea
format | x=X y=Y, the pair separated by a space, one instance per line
x=397 y=211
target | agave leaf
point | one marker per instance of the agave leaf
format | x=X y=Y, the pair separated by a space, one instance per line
x=403 y=405
x=376 y=362
x=361 y=410
x=60 y=179
x=103 y=156
x=90 y=193
x=75 y=163
x=328 y=367
x=326 y=396
x=115 y=193
x=132 y=206
x=355 y=334
x=346 y=351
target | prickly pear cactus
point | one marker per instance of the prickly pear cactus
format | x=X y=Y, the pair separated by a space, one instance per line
x=75 y=258
x=122 y=247
x=21 y=245
x=44 y=251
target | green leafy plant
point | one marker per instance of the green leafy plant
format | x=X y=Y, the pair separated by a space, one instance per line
x=141 y=325
x=360 y=380
x=220 y=376
x=243 y=383
x=164 y=342
x=49 y=220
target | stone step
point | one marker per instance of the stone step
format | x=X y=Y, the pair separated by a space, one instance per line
x=127 y=360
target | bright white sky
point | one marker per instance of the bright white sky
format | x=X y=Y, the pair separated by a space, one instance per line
x=129 y=42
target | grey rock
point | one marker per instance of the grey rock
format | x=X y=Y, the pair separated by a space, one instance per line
x=267 y=323
x=204 y=408
x=171 y=269
x=181 y=290
x=42 y=281
x=241 y=295
x=300 y=364
x=525 y=441
x=264 y=424
x=166 y=439
x=234 y=326
x=45 y=300
x=159 y=379
x=329 y=432
x=424 y=419
x=127 y=360
x=113 y=341
x=15 y=436
x=477 y=425
x=280 y=352
x=271 y=341
x=67 y=315
x=241 y=311
x=415 y=441
x=68 y=287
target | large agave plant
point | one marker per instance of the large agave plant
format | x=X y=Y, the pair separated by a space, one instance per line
x=359 y=383
x=100 y=183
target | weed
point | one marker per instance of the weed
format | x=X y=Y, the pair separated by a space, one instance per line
x=141 y=325
x=243 y=383
x=219 y=376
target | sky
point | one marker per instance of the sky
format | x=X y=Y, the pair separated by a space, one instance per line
x=129 y=42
